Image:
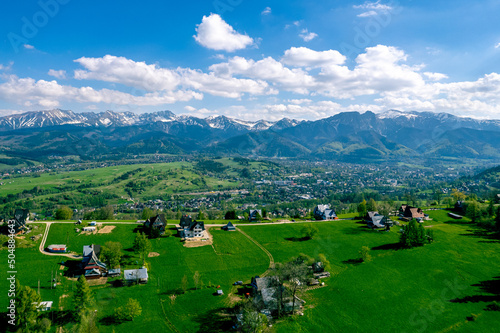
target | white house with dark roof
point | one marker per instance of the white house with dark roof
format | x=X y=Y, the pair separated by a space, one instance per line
x=324 y=212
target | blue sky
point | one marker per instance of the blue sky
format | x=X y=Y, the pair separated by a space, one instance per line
x=251 y=59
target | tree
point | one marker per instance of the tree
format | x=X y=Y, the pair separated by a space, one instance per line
x=384 y=209
x=414 y=235
x=457 y=195
x=252 y=321
x=27 y=301
x=64 y=213
x=128 y=312
x=111 y=253
x=142 y=245
x=82 y=297
x=362 y=208
x=184 y=283
x=196 y=279
x=147 y=213
x=296 y=273
x=497 y=220
x=230 y=215
x=365 y=254
x=201 y=215
x=326 y=264
x=371 y=206
x=44 y=325
x=106 y=213
x=473 y=211
x=309 y=231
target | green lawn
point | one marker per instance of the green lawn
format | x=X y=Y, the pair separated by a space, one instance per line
x=408 y=290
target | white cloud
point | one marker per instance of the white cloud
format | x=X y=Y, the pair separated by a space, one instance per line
x=497 y=46
x=128 y=72
x=189 y=108
x=305 y=57
x=28 y=47
x=307 y=36
x=214 y=33
x=60 y=74
x=435 y=76
x=266 y=11
x=372 y=8
x=28 y=92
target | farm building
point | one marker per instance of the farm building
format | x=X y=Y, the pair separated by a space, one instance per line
x=57 y=248
x=229 y=227
x=93 y=268
x=411 y=212
x=136 y=275
x=375 y=220
x=220 y=292
x=93 y=223
x=324 y=212
x=90 y=229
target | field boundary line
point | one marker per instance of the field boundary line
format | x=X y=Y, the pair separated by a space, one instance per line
x=271 y=259
x=169 y=323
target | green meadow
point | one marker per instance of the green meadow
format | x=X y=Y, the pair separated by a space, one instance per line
x=441 y=287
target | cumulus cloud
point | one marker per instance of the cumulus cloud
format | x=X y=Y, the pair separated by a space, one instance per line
x=307 y=36
x=128 y=72
x=497 y=46
x=266 y=11
x=372 y=8
x=28 y=47
x=60 y=74
x=214 y=33
x=305 y=57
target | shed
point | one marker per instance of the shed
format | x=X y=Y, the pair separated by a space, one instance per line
x=114 y=272
x=229 y=227
x=88 y=228
x=93 y=223
x=136 y=275
x=56 y=248
x=44 y=306
x=220 y=292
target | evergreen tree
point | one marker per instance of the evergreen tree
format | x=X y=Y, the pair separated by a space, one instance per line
x=82 y=298
x=27 y=301
x=362 y=208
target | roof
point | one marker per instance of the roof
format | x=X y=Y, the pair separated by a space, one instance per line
x=114 y=271
x=136 y=274
x=185 y=220
x=91 y=256
x=56 y=246
x=321 y=208
x=229 y=226
x=370 y=215
x=156 y=221
x=194 y=224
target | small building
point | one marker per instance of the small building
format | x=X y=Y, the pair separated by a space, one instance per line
x=114 y=272
x=455 y=216
x=229 y=227
x=324 y=212
x=90 y=229
x=220 y=292
x=93 y=223
x=318 y=267
x=57 y=248
x=411 y=212
x=375 y=220
x=136 y=275
x=44 y=306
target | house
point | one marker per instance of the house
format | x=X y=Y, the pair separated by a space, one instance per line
x=21 y=216
x=136 y=275
x=194 y=229
x=229 y=227
x=255 y=214
x=57 y=248
x=157 y=222
x=185 y=220
x=411 y=212
x=324 y=212
x=265 y=292
x=93 y=268
x=318 y=267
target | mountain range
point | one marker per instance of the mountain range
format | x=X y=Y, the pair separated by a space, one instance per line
x=347 y=136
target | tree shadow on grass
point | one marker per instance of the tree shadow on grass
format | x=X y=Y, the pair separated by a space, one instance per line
x=110 y=320
x=74 y=268
x=62 y=317
x=357 y=231
x=297 y=239
x=393 y=246
x=491 y=287
x=354 y=262
x=215 y=321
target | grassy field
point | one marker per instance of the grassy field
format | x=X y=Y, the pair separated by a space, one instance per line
x=440 y=287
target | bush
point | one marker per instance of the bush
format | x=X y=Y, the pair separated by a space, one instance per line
x=414 y=235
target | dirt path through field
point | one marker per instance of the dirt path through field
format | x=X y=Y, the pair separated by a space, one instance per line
x=271 y=259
